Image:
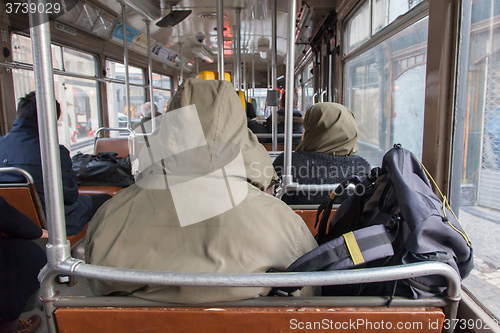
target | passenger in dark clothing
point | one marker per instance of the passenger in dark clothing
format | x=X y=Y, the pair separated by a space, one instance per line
x=20 y=262
x=297 y=127
x=21 y=148
x=253 y=124
x=326 y=153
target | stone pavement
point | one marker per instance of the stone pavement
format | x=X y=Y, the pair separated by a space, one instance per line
x=483 y=227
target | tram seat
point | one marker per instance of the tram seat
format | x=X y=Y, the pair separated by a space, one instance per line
x=24 y=197
x=248 y=319
x=280 y=147
x=309 y=217
x=98 y=189
x=115 y=145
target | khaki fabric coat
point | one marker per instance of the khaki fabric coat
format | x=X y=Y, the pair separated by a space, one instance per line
x=140 y=228
x=329 y=128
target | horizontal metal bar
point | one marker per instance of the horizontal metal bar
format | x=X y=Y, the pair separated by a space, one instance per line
x=23 y=172
x=122 y=129
x=337 y=301
x=281 y=135
x=17 y=65
x=391 y=273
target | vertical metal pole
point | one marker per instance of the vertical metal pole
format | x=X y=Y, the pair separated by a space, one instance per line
x=287 y=174
x=220 y=38
x=197 y=66
x=58 y=246
x=125 y=63
x=182 y=62
x=237 y=73
x=245 y=76
x=330 y=78
x=461 y=106
x=253 y=75
x=274 y=76
x=180 y=54
x=150 y=74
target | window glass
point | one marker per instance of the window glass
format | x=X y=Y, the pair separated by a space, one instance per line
x=166 y=82
x=79 y=107
x=386 y=11
x=79 y=62
x=21 y=49
x=260 y=96
x=57 y=61
x=116 y=94
x=78 y=97
x=357 y=28
x=308 y=95
x=157 y=80
x=480 y=147
x=161 y=99
x=385 y=89
x=115 y=70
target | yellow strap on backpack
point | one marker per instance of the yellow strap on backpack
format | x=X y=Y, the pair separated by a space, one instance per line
x=352 y=246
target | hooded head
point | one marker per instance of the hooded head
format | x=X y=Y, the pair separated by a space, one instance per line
x=223 y=122
x=146 y=109
x=329 y=128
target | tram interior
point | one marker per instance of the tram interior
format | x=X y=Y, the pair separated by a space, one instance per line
x=378 y=57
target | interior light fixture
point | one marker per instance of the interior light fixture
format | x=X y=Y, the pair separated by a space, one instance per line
x=203 y=53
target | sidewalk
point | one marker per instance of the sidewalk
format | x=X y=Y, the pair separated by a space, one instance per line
x=483 y=227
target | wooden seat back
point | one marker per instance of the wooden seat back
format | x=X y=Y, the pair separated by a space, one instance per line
x=309 y=217
x=24 y=197
x=249 y=319
x=114 y=145
x=279 y=147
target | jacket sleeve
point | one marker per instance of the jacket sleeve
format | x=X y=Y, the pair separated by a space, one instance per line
x=70 y=186
x=16 y=224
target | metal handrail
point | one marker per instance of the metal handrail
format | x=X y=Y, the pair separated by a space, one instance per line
x=23 y=172
x=280 y=135
x=101 y=129
x=324 y=278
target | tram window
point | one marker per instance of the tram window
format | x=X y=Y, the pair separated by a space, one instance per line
x=386 y=11
x=78 y=96
x=386 y=93
x=22 y=53
x=162 y=91
x=372 y=17
x=79 y=62
x=357 y=28
x=260 y=96
x=116 y=93
x=480 y=149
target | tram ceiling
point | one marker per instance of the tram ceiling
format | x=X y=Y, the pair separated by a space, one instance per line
x=202 y=19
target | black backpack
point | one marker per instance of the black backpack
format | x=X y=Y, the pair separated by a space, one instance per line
x=419 y=226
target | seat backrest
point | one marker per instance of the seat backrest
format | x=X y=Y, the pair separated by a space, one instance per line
x=114 y=145
x=249 y=319
x=23 y=196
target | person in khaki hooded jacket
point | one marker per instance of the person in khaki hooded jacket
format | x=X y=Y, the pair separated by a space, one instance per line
x=199 y=204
